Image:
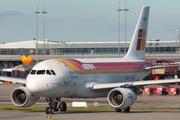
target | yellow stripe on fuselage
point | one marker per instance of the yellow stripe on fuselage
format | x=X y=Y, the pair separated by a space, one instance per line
x=70 y=65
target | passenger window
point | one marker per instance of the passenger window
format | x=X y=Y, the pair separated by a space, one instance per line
x=33 y=72
x=40 y=72
x=53 y=72
x=48 y=72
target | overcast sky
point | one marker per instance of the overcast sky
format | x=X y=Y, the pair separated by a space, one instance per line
x=86 y=20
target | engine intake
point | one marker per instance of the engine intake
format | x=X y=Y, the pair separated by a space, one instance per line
x=21 y=97
x=121 y=98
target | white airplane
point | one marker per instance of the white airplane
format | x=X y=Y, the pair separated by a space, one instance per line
x=118 y=79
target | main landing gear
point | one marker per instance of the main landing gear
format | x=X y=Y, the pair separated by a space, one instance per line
x=126 y=110
x=54 y=107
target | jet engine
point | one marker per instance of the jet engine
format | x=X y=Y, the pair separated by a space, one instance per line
x=121 y=97
x=21 y=97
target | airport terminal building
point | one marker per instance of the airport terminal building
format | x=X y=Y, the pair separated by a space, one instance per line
x=83 y=48
x=155 y=50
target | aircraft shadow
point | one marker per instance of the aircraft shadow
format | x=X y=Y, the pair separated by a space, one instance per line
x=73 y=111
x=112 y=111
x=108 y=111
x=83 y=111
x=155 y=111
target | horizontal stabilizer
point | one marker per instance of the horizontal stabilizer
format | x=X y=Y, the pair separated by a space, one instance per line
x=159 y=67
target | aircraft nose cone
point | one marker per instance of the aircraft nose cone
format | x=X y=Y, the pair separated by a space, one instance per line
x=33 y=86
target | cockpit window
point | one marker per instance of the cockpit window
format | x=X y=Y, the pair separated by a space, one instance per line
x=33 y=72
x=41 y=72
x=53 y=72
x=48 y=72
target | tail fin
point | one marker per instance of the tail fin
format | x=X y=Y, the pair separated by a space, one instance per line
x=138 y=42
x=27 y=61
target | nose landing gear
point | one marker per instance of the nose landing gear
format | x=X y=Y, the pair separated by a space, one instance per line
x=54 y=107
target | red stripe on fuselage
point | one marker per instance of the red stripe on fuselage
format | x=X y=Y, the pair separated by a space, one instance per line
x=111 y=65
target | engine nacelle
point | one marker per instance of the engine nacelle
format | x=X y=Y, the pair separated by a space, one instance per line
x=21 y=97
x=121 y=98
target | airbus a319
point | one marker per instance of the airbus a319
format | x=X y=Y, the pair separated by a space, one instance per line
x=118 y=79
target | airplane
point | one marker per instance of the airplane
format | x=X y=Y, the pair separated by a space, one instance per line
x=118 y=79
x=27 y=61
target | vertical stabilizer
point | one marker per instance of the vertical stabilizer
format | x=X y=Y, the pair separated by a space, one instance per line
x=26 y=59
x=138 y=42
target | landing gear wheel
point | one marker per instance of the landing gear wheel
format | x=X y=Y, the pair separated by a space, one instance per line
x=47 y=110
x=126 y=110
x=51 y=110
x=62 y=106
x=118 y=110
x=54 y=105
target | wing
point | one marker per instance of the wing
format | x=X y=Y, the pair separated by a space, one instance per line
x=13 y=79
x=99 y=86
x=159 y=67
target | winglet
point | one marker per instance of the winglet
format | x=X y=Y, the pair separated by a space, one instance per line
x=138 y=42
x=27 y=61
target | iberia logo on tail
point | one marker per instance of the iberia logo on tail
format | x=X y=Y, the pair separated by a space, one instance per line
x=141 y=39
x=26 y=60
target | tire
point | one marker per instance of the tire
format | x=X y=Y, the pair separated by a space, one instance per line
x=127 y=110
x=47 y=110
x=51 y=111
x=118 y=110
x=62 y=106
x=54 y=105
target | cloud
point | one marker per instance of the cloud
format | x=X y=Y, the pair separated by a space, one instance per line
x=10 y=13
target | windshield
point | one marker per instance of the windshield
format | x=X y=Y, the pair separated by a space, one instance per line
x=33 y=72
x=41 y=72
x=53 y=72
x=48 y=72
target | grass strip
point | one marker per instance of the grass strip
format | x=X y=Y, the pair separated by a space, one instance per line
x=20 y=108
x=85 y=108
x=154 y=108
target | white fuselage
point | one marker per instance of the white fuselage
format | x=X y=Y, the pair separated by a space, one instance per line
x=74 y=78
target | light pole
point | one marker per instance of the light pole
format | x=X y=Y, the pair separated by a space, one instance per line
x=177 y=34
x=119 y=30
x=44 y=12
x=125 y=25
x=37 y=12
x=178 y=39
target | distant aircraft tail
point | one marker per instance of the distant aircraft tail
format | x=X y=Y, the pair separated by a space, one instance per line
x=138 y=42
x=27 y=61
